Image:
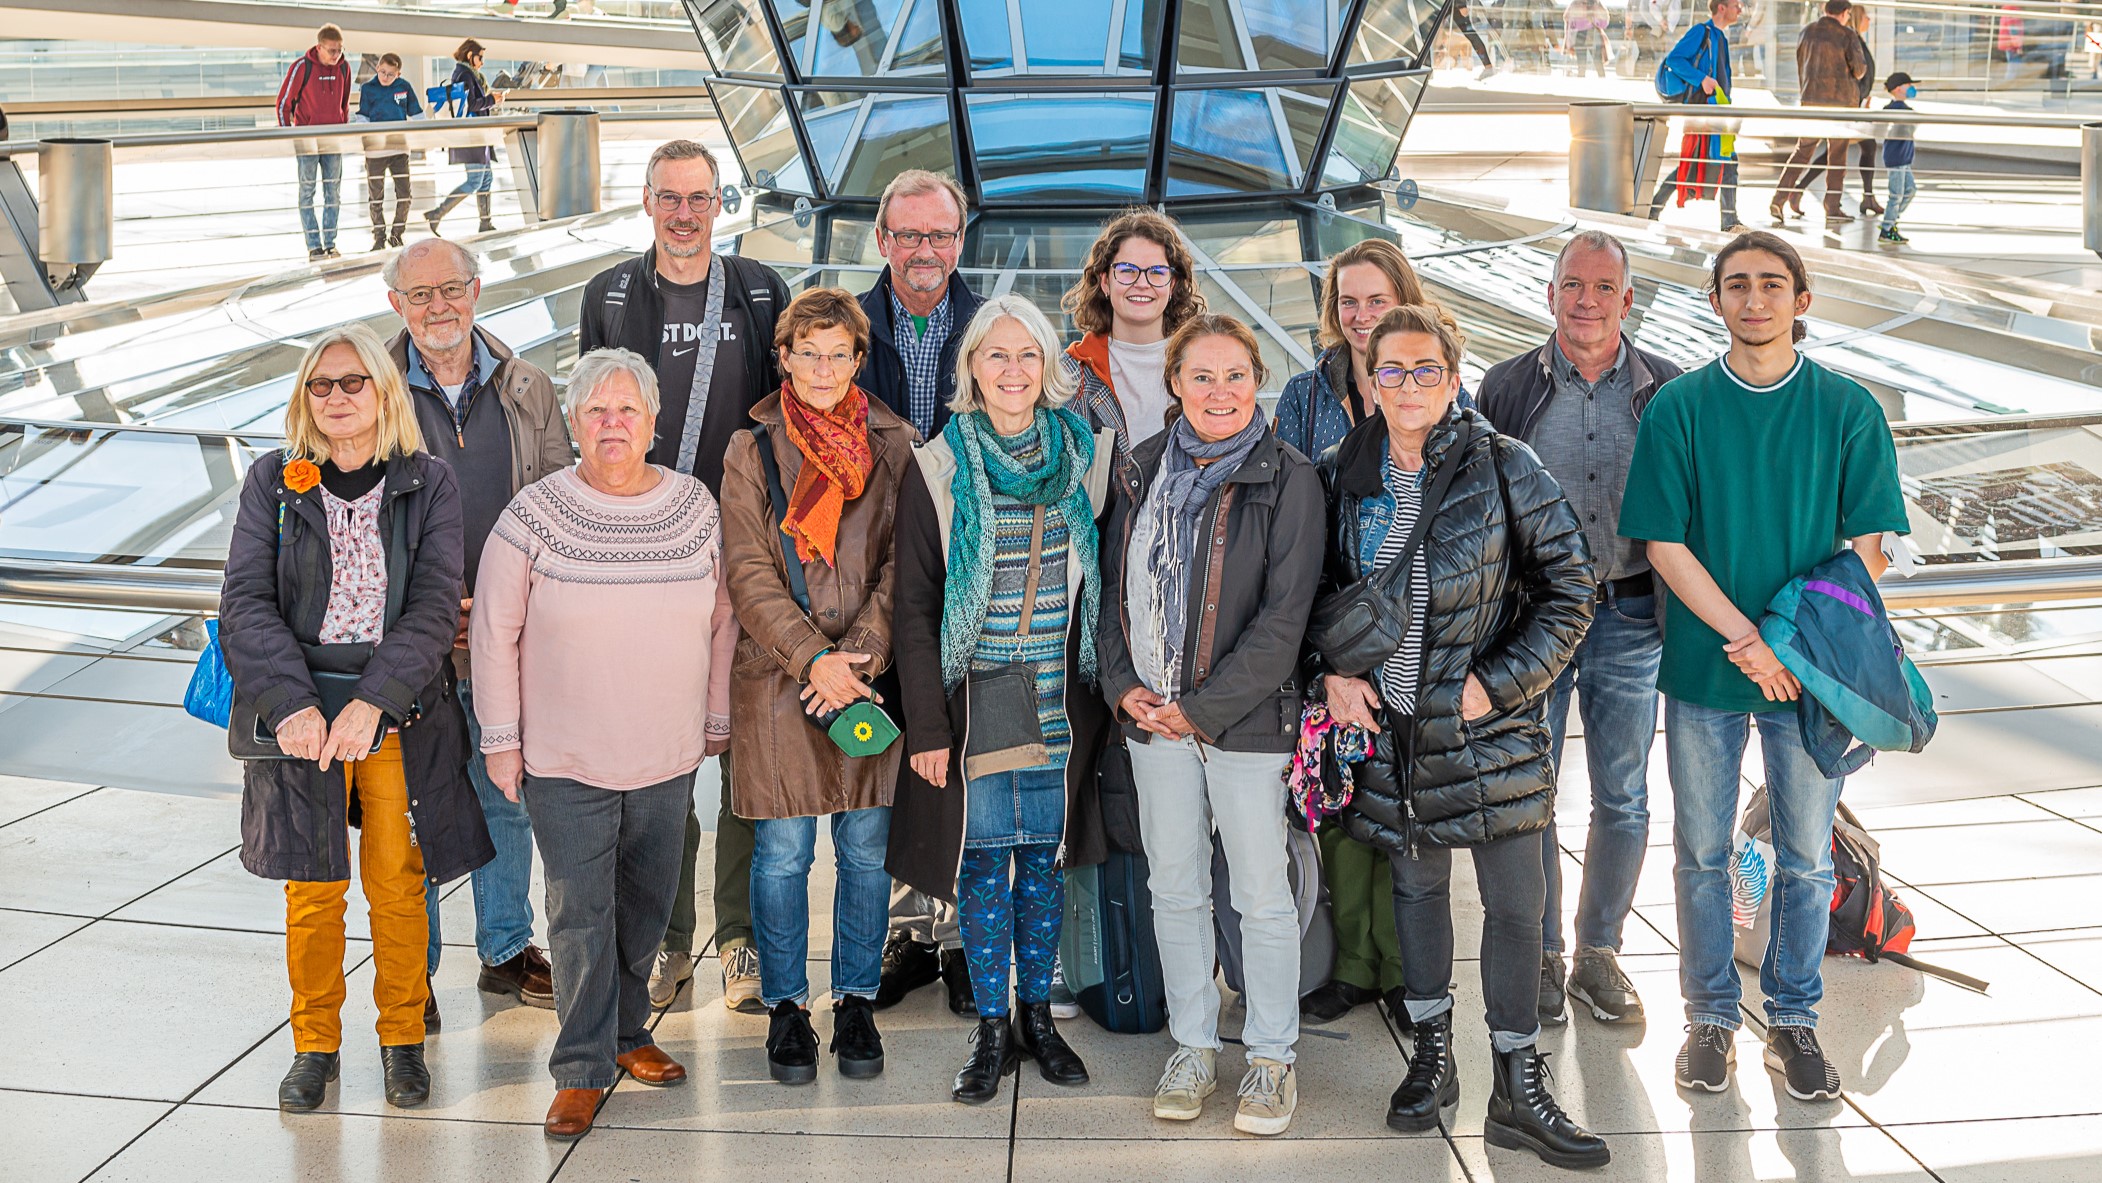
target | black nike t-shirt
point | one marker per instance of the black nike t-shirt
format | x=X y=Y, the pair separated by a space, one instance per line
x=685 y=312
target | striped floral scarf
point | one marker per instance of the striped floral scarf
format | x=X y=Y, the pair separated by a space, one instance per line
x=837 y=460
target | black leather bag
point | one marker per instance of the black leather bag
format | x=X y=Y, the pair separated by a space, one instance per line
x=1356 y=628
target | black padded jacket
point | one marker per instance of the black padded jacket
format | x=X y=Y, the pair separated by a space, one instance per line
x=1511 y=595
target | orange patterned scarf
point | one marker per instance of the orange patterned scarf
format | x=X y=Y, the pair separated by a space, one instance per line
x=837 y=460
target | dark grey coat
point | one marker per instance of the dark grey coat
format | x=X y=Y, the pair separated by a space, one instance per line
x=295 y=818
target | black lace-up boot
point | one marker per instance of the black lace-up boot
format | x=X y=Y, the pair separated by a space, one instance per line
x=1037 y=1037
x=1523 y=1115
x=1433 y=1081
x=993 y=1056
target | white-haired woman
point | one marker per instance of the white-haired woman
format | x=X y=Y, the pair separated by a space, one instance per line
x=341 y=601
x=601 y=641
x=999 y=594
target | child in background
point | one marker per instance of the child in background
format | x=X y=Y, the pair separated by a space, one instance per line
x=1897 y=158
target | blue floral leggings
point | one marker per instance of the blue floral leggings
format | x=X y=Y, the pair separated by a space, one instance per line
x=1023 y=917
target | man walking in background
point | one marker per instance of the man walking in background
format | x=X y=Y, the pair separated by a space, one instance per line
x=316 y=93
x=1830 y=60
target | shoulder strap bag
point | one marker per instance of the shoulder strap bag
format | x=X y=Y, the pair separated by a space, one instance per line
x=1002 y=731
x=859 y=728
x=1356 y=628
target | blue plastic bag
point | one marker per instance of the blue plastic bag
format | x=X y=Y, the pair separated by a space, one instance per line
x=211 y=693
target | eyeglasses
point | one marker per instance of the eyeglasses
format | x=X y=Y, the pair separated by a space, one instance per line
x=351 y=384
x=1000 y=359
x=1156 y=277
x=697 y=202
x=911 y=239
x=810 y=360
x=421 y=296
x=1394 y=377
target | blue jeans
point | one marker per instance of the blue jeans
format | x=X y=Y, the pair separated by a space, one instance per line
x=1615 y=669
x=1025 y=807
x=479 y=179
x=1704 y=748
x=783 y=849
x=503 y=900
x=1902 y=189
x=328 y=168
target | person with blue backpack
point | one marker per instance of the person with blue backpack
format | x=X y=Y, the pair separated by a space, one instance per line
x=1697 y=72
x=471 y=90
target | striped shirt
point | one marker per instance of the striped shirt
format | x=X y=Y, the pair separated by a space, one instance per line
x=1400 y=674
x=1044 y=646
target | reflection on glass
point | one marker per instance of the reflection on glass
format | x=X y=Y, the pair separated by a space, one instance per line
x=863 y=140
x=1376 y=114
x=124 y=497
x=1258 y=34
x=1978 y=492
x=1396 y=30
x=862 y=38
x=759 y=129
x=1061 y=147
x=1244 y=141
x=734 y=34
x=1068 y=37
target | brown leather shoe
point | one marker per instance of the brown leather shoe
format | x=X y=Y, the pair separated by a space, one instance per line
x=571 y=1114
x=650 y=1065
x=527 y=975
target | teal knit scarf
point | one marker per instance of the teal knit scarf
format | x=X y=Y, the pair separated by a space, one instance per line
x=1056 y=474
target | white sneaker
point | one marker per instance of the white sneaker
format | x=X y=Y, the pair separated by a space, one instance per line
x=671 y=970
x=1063 y=1004
x=741 y=980
x=1269 y=1095
x=1190 y=1078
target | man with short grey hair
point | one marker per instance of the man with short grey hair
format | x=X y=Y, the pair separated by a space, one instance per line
x=1577 y=400
x=705 y=320
x=918 y=307
x=492 y=415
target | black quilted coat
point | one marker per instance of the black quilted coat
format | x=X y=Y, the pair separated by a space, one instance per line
x=1511 y=593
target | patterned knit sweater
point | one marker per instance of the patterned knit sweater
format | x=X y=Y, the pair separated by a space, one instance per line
x=1044 y=645
x=602 y=634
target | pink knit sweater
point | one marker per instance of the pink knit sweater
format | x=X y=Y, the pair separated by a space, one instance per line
x=601 y=633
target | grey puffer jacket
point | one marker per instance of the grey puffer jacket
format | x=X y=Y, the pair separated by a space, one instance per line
x=1511 y=595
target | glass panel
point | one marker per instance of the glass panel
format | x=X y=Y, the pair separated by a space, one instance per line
x=1258 y=34
x=735 y=35
x=123 y=497
x=757 y=120
x=1395 y=30
x=1244 y=141
x=1115 y=37
x=854 y=37
x=863 y=140
x=1061 y=147
x=1980 y=491
x=1376 y=114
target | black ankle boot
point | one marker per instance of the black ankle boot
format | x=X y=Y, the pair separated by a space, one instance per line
x=303 y=1086
x=1037 y=1038
x=993 y=1056
x=791 y=1044
x=1433 y=1081
x=1523 y=1115
x=408 y=1081
x=956 y=979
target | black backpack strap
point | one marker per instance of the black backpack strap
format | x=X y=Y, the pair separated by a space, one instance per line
x=779 y=497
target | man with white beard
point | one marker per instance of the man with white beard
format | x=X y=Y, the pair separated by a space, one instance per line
x=494 y=417
x=706 y=321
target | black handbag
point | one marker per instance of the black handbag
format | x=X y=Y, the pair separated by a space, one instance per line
x=1356 y=628
x=1002 y=731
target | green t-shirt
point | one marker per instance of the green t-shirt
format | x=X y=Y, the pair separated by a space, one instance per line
x=1762 y=484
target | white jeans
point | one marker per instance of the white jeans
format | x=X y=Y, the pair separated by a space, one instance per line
x=1181 y=795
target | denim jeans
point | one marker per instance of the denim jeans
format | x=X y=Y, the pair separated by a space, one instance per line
x=480 y=177
x=1510 y=894
x=1902 y=188
x=1615 y=674
x=328 y=168
x=1705 y=751
x=503 y=886
x=612 y=860
x=1025 y=807
x=782 y=852
x=1183 y=791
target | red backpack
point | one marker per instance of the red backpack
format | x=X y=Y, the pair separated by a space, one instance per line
x=1869 y=921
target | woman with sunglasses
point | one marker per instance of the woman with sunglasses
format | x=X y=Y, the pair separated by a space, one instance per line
x=344 y=574
x=1137 y=287
x=1499 y=593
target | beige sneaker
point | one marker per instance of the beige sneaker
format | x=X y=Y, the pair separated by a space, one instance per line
x=671 y=970
x=1190 y=1078
x=1269 y=1094
x=741 y=980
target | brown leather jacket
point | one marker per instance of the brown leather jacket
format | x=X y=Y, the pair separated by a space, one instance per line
x=781 y=766
x=1829 y=58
